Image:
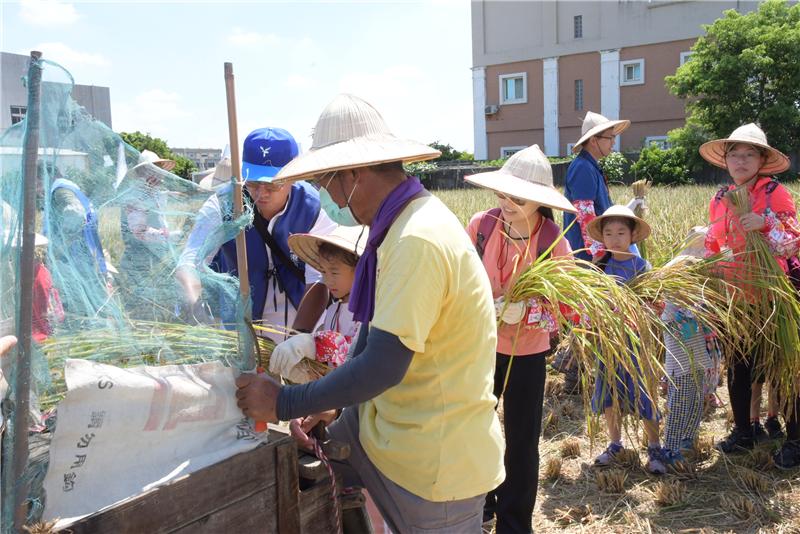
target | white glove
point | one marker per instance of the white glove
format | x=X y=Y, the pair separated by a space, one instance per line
x=635 y=203
x=291 y=352
x=512 y=313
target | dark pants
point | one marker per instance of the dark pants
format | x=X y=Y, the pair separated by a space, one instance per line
x=513 y=500
x=740 y=379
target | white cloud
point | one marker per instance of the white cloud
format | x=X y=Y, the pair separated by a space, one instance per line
x=47 y=13
x=66 y=56
x=155 y=111
x=241 y=37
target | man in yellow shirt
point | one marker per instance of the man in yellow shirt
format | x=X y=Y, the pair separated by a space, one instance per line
x=417 y=394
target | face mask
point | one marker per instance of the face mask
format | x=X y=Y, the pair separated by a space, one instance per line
x=341 y=216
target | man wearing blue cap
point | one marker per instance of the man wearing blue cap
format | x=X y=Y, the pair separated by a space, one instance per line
x=279 y=281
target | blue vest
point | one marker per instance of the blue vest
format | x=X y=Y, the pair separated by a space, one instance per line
x=90 y=235
x=302 y=210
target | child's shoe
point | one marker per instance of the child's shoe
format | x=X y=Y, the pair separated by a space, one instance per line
x=737 y=441
x=773 y=428
x=607 y=456
x=788 y=456
x=656 y=461
x=672 y=457
x=759 y=434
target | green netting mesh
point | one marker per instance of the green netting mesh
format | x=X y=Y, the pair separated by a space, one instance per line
x=116 y=228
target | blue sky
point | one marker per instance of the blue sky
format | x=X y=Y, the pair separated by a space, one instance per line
x=164 y=62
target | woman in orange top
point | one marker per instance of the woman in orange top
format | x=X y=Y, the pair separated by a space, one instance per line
x=750 y=161
x=509 y=238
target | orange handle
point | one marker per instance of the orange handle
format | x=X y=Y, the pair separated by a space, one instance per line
x=260 y=426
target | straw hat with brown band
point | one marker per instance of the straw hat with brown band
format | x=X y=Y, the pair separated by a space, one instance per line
x=594 y=123
x=526 y=175
x=151 y=158
x=350 y=133
x=750 y=134
x=352 y=239
x=640 y=231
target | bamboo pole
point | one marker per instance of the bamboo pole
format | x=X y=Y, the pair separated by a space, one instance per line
x=22 y=375
x=246 y=343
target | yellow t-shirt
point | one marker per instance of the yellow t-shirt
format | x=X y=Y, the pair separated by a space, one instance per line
x=436 y=433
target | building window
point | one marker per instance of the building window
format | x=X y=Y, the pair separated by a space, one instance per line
x=514 y=88
x=631 y=72
x=659 y=140
x=578 y=95
x=577 y=22
x=508 y=151
x=686 y=56
x=18 y=113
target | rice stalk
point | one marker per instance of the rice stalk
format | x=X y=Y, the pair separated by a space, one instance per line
x=669 y=492
x=628 y=459
x=552 y=469
x=739 y=505
x=570 y=448
x=611 y=481
x=640 y=190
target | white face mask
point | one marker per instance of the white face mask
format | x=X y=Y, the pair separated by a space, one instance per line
x=342 y=216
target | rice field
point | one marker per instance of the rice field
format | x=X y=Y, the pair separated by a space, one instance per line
x=715 y=493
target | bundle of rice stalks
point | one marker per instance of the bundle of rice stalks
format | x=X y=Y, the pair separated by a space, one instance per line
x=152 y=343
x=739 y=505
x=553 y=388
x=772 y=304
x=628 y=459
x=616 y=332
x=758 y=459
x=581 y=514
x=611 y=481
x=552 y=469
x=669 y=493
x=550 y=423
x=570 y=448
x=640 y=190
x=753 y=481
x=45 y=527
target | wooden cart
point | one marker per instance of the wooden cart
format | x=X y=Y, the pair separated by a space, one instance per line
x=256 y=491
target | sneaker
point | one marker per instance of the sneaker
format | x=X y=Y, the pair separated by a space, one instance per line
x=608 y=455
x=788 y=456
x=759 y=434
x=773 y=428
x=656 y=460
x=737 y=441
x=672 y=457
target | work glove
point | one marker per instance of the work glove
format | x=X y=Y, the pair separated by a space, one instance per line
x=510 y=313
x=636 y=203
x=287 y=355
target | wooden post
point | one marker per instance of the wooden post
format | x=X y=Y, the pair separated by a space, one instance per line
x=246 y=342
x=22 y=374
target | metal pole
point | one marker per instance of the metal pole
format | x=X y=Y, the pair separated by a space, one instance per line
x=22 y=375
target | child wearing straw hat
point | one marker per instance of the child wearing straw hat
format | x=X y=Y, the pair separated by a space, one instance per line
x=751 y=162
x=617 y=229
x=508 y=239
x=335 y=256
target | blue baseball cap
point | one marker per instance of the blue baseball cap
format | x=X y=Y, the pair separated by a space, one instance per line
x=265 y=152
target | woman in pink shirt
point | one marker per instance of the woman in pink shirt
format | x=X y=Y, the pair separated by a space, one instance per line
x=509 y=239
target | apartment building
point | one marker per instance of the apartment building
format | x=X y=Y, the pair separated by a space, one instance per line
x=14 y=95
x=539 y=66
x=203 y=158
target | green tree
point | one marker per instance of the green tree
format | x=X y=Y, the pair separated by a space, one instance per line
x=449 y=153
x=745 y=69
x=141 y=141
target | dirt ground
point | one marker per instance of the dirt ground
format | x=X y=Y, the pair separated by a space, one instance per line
x=715 y=493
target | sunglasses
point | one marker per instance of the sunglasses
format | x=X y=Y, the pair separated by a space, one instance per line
x=515 y=200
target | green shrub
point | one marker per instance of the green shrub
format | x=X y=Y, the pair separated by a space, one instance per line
x=613 y=167
x=662 y=167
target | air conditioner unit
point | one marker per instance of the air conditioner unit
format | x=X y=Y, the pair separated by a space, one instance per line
x=491 y=109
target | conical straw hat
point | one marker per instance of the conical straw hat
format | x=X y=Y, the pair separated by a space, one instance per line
x=527 y=175
x=640 y=231
x=350 y=238
x=714 y=151
x=594 y=123
x=350 y=133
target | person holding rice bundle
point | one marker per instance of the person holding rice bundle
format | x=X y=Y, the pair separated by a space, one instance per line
x=335 y=256
x=688 y=364
x=509 y=238
x=617 y=229
x=751 y=162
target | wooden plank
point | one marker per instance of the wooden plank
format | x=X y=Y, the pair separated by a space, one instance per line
x=196 y=495
x=255 y=513
x=317 y=513
x=287 y=482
